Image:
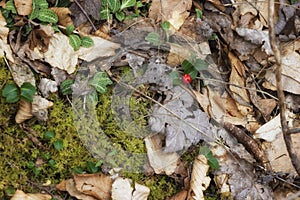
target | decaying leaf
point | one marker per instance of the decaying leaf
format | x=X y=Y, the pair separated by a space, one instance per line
x=180 y=121
x=290 y=70
x=199 y=180
x=24 y=7
x=39 y=38
x=46 y=86
x=40 y=107
x=21 y=73
x=160 y=161
x=24 y=112
x=20 y=195
x=169 y=10
x=122 y=189
x=63 y=14
x=4 y=47
x=60 y=54
x=71 y=189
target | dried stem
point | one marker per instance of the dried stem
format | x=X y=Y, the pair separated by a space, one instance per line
x=281 y=97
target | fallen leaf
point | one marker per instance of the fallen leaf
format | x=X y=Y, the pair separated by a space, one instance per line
x=169 y=10
x=24 y=112
x=60 y=54
x=160 y=161
x=46 y=86
x=24 y=7
x=40 y=107
x=121 y=189
x=141 y=192
x=64 y=15
x=72 y=190
x=39 y=38
x=95 y=185
x=179 y=196
x=4 y=47
x=20 y=195
x=222 y=184
x=199 y=180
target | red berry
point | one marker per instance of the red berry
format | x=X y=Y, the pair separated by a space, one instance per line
x=186 y=78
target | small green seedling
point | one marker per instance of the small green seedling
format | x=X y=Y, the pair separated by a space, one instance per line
x=100 y=81
x=65 y=86
x=166 y=26
x=58 y=144
x=212 y=161
x=115 y=7
x=154 y=38
x=48 y=135
x=92 y=167
x=199 y=13
x=12 y=93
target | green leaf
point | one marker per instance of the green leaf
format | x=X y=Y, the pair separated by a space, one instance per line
x=187 y=66
x=46 y=15
x=75 y=41
x=127 y=3
x=65 y=86
x=52 y=163
x=204 y=150
x=199 y=13
x=91 y=167
x=27 y=91
x=154 y=38
x=200 y=64
x=70 y=29
x=105 y=14
x=30 y=165
x=11 y=6
x=213 y=163
x=120 y=16
x=77 y=170
x=166 y=25
x=11 y=93
x=48 y=135
x=87 y=41
x=42 y=4
x=193 y=74
x=58 y=144
x=139 y=4
x=114 y=5
x=174 y=75
x=100 y=82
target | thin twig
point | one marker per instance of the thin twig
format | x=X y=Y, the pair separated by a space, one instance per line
x=85 y=14
x=281 y=97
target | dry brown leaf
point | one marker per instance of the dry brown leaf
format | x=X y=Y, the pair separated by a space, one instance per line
x=24 y=7
x=160 y=161
x=24 y=111
x=72 y=190
x=199 y=180
x=290 y=69
x=40 y=107
x=20 y=195
x=174 y=11
x=179 y=196
x=64 y=15
x=4 y=47
x=95 y=185
x=237 y=77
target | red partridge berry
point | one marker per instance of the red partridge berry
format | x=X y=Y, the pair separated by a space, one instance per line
x=186 y=78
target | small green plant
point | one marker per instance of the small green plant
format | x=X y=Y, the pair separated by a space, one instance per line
x=212 y=161
x=116 y=8
x=199 y=13
x=12 y=93
x=75 y=41
x=58 y=144
x=41 y=12
x=65 y=86
x=156 y=39
x=100 y=82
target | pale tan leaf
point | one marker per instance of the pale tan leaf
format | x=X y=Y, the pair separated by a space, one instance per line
x=101 y=48
x=95 y=185
x=199 y=180
x=121 y=189
x=141 y=192
x=160 y=161
x=72 y=190
x=24 y=7
x=64 y=15
x=46 y=86
x=221 y=182
x=20 y=195
x=4 y=47
x=174 y=11
x=24 y=111
x=40 y=107
x=60 y=54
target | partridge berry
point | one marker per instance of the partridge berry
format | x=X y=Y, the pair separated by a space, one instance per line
x=186 y=78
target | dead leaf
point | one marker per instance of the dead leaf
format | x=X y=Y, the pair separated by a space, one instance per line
x=72 y=190
x=40 y=38
x=60 y=54
x=141 y=192
x=95 y=185
x=160 y=161
x=24 y=112
x=46 y=86
x=101 y=48
x=222 y=184
x=40 y=107
x=64 y=15
x=24 y=7
x=199 y=180
x=169 y=10
x=5 y=49
x=179 y=196
x=20 y=195
x=237 y=77
x=290 y=70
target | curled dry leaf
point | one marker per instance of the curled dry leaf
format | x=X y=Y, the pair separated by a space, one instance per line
x=160 y=161
x=122 y=190
x=64 y=15
x=72 y=190
x=24 y=112
x=199 y=180
x=169 y=10
x=4 y=47
x=20 y=195
x=46 y=86
x=24 y=7
x=40 y=107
